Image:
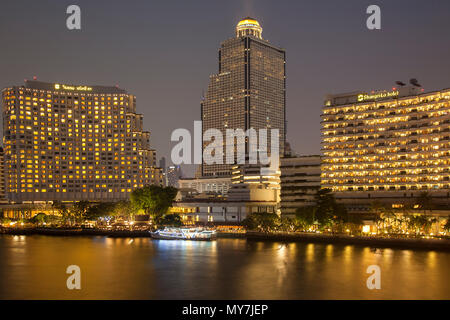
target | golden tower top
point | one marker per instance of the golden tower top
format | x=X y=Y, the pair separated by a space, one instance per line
x=248 y=27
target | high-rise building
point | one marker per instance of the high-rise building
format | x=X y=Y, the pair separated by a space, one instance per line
x=2 y=177
x=74 y=142
x=248 y=91
x=390 y=146
x=162 y=164
x=173 y=174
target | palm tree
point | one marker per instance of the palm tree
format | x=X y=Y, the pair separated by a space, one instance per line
x=425 y=201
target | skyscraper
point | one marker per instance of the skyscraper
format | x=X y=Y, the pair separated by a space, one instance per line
x=71 y=143
x=248 y=91
x=173 y=175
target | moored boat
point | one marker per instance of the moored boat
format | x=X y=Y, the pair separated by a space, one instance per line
x=172 y=233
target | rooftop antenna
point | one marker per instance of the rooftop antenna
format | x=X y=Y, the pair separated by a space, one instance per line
x=414 y=82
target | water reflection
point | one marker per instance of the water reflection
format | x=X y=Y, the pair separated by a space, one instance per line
x=33 y=267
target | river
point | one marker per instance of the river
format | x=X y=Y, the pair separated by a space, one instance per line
x=34 y=267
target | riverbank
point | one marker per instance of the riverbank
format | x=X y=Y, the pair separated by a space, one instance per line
x=75 y=232
x=372 y=241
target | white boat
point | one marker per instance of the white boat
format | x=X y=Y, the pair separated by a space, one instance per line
x=172 y=233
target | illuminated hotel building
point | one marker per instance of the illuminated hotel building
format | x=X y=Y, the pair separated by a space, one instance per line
x=72 y=143
x=2 y=178
x=248 y=91
x=387 y=146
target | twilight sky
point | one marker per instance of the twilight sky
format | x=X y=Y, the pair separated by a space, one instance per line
x=164 y=51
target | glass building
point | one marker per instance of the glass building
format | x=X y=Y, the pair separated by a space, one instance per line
x=248 y=91
x=72 y=143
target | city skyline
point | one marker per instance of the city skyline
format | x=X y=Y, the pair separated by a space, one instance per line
x=203 y=155
x=320 y=39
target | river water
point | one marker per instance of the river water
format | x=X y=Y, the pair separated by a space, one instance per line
x=34 y=267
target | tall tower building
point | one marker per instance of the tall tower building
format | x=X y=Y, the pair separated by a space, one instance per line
x=72 y=143
x=249 y=91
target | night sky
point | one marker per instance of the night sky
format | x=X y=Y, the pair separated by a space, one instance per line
x=164 y=51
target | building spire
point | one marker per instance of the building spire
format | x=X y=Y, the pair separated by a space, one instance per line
x=248 y=27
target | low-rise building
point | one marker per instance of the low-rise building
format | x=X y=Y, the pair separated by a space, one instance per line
x=206 y=184
x=300 y=180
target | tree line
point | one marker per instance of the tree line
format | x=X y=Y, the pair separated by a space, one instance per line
x=151 y=200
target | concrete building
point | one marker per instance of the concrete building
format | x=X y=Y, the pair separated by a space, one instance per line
x=221 y=211
x=248 y=91
x=300 y=181
x=218 y=185
x=388 y=146
x=74 y=142
x=162 y=165
x=247 y=191
x=2 y=178
x=173 y=174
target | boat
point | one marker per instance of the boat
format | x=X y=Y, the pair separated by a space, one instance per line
x=172 y=233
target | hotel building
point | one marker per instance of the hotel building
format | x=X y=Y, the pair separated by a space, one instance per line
x=389 y=146
x=248 y=91
x=2 y=178
x=71 y=143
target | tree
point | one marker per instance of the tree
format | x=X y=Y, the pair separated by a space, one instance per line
x=447 y=225
x=264 y=222
x=153 y=200
x=425 y=201
x=305 y=217
x=124 y=209
x=328 y=211
x=288 y=224
x=39 y=218
x=384 y=216
x=173 y=220
x=250 y=222
x=103 y=209
x=62 y=210
x=420 y=223
x=79 y=210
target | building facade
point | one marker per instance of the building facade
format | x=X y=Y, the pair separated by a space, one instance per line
x=248 y=91
x=206 y=185
x=206 y=211
x=389 y=146
x=2 y=177
x=300 y=181
x=173 y=174
x=72 y=143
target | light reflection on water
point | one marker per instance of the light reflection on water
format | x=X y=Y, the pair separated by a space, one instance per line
x=33 y=267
